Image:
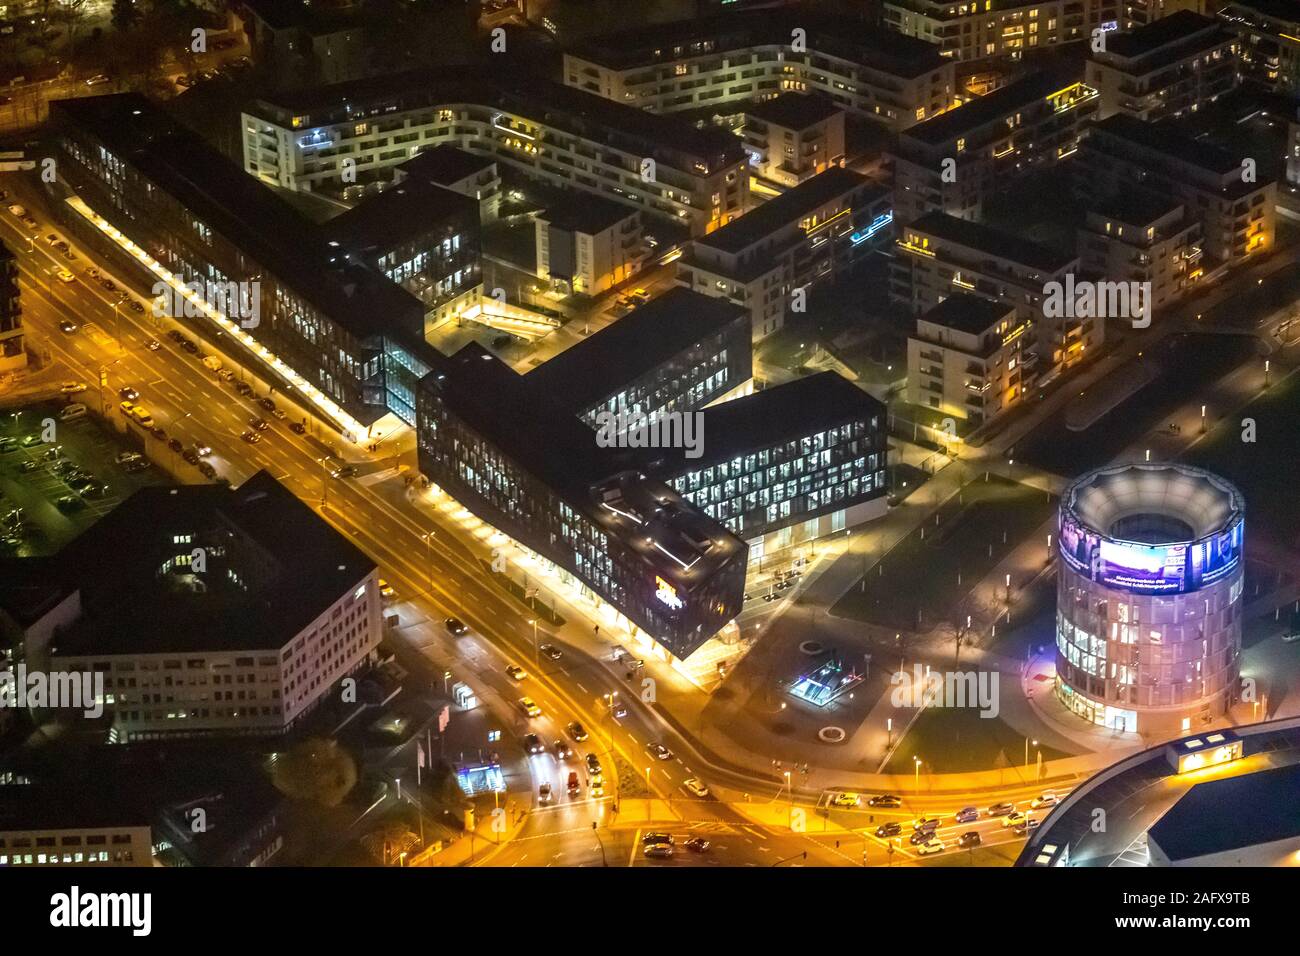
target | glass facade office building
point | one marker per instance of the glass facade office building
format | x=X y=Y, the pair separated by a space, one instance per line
x=1149 y=598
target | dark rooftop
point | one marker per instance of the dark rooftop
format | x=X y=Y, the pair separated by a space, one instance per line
x=965 y=312
x=847 y=38
x=291 y=564
x=445 y=164
x=1160 y=138
x=43 y=807
x=582 y=212
x=1133 y=207
x=318 y=18
x=789 y=207
x=1173 y=29
x=399 y=213
x=1015 y=96
x=1278 y=9
x=992 y=241
x=1228 y=814
x=645 y=338
x=793 y=110
x=32 y=587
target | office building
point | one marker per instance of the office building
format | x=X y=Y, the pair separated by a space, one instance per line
x=974 y=30
x=793 y=137
x=46 y=826
x=940 y=256
x=1143 y=238
x=463 y=172
x=588 y=245
x=678 y=353
x=1234 y=204
x=424 y=238
x=805 y=235
x=1269 y=41
x=13 y=352
x=557 y=135
x=1149 y=598
x=956 y=161
x=711 y=62
x=1170 y=68
x=786 y=465
x=221 y=612
x=966 y=359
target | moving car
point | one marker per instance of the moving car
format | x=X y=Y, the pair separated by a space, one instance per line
x=533 y=744
x=455 y=626
x=385 y=589
x=650 y=839
x=891 y=829
x=65 y=276
x=574 y=787
x=885 y=801
x=551 y=652
x=1030 y=823
x=660 y=751
x=544 y=794
x=1015 y=818
x=697 y=845
x=696 y=787
x=968 y=839
x=1043 y=800
x=67 y=327
x=924 y=822
x=934 y=846
x=516 y=672
x=529 y=707
x=563 y=751
x=1001 y=809
x=577 y=731
x=347 y=471
x=127 y=393
x=846 y=800
x=593 y=764
x=967 y=815
x=261 y=424
x=251 y=437
x=73 y=388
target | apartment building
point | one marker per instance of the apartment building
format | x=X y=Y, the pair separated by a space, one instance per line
x=966 y=359
x=47 y=826
x=562 y=137
x=956 y=161
x=1143 y=238
x=221 y=611
x=940 y=255
x=302 y=44
x=1269 y=41
x=714 y=61
x=1137 y=13
x=982 y=29
x=1236 y=210
x=789 y=243
x=793 y=138
x=1166 y=69
x=1293 y=152
x=588 y=245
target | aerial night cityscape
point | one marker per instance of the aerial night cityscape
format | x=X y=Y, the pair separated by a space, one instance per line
x=650 y=434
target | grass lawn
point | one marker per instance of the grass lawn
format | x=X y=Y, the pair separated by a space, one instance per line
x=919 y=577
x=959 y=740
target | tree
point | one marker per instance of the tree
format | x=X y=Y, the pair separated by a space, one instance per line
x=316 y=769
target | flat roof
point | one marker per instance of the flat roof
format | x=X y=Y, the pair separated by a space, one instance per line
x=1160 y=138
x=1134 y=207
x=967 y=312
x=636 y=344
x=1278 y=9
x=794 y=110
x=848 y=38
x=992 y=241
x=401 y=212
x=789 y=207
x=38 y=806
x=769 y=417
x=282 y=14
x=1232 y=813
x=445 y=164
x=509 y=90
x=292 y=564
x=583 y=212
x=991 y=107
x=1173 y=29
x=245 y=211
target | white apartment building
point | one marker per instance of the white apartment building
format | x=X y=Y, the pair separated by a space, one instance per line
x=981 y=29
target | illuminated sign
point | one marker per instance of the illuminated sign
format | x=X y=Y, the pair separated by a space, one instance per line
x=880 y=222
x=1150 y=569
x=666 y=593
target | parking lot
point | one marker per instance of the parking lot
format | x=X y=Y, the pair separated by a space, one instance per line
x=50 y=491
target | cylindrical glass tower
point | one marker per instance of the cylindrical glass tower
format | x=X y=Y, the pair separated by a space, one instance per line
x=1148 y=605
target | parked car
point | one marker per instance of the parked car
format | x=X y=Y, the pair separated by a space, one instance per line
x=697 y=845
x=848 y=801
x=73 y=388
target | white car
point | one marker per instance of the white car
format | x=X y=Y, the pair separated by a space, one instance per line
x=73 y=388
x=934 y=846
x=516 y=672
x=1043 y=800
x=65 y=276
x=696 y=787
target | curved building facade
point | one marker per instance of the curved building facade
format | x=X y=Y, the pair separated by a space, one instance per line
x=1148 y=609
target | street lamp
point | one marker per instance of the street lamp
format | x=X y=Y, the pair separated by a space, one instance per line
x=916 y=761
x=1027 y=750
x=537 y=654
